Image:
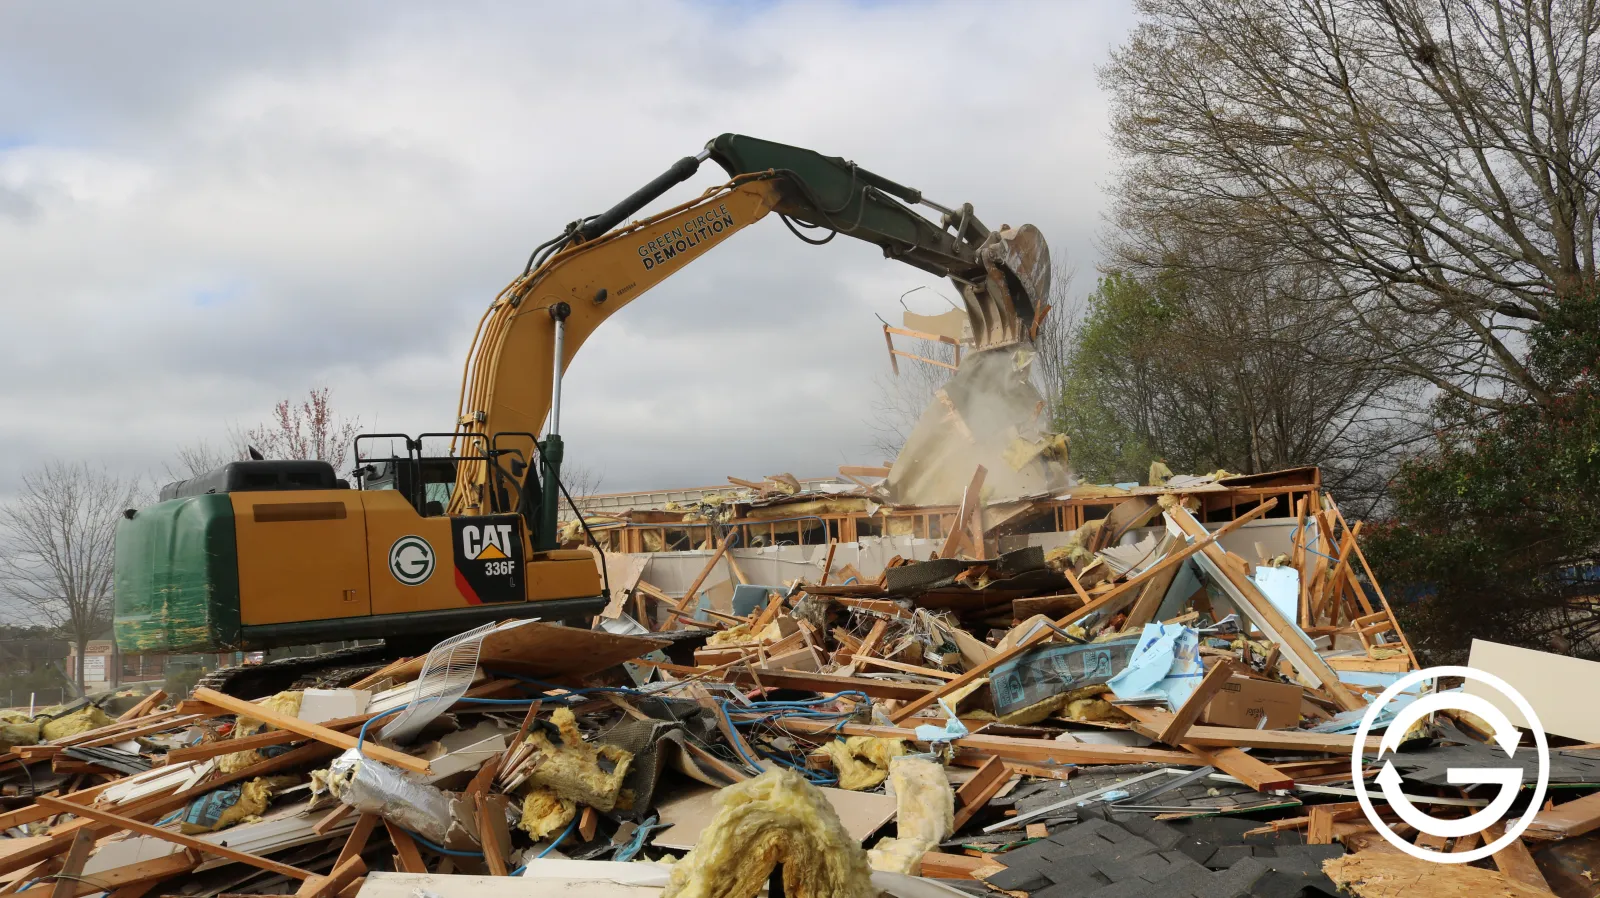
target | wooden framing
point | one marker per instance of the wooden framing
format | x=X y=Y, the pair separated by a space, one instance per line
x=311 y=730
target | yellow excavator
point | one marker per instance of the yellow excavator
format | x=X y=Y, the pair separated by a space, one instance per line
x=270 y=553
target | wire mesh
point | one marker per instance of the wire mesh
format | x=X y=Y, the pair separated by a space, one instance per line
x=446 y=676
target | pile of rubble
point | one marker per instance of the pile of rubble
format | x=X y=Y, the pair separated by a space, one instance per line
x=1154 y=715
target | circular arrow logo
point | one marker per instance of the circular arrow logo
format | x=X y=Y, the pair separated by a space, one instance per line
x=411 y=560
x=1509 y=779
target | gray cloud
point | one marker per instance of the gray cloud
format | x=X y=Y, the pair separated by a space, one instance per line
x=206 y=208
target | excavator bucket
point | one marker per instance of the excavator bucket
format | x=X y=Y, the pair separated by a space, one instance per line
x=990 y=413
x=1010 y=300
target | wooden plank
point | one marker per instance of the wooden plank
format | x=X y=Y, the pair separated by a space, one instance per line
x=1266 y=616
x=939 y=865
x=1109 y=600
x=122 y=880
x=1244 y=767
x=332 y=819
x=405 y=850
x=329 y=886
x=1195 y=705
x=711 y=564
x=827 y=562
x=1037 y=831
x=975 y=793
x=257 y=740
x=320 y=733
x=1515 y=861
x=905 y=668
x=1320 y=829
x=72 y=865
x=145 y=706
x=156 y=727
x=829 y=684
x=588 y=823
x=1564 y=821
x=971 y=500
x=199 y=845
x=494 y=853
x=358 y=838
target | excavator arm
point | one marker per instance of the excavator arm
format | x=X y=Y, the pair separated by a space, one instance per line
x=598 y=265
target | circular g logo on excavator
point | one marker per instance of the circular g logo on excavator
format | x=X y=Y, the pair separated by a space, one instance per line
x=1509 y=779
x=411 y=560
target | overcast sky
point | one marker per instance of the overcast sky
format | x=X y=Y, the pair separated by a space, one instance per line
x=207 y=207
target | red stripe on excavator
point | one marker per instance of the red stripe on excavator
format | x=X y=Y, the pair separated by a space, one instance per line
x=466 y=590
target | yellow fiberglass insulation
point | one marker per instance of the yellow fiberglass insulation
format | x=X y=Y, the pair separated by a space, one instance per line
x=734 y=635
x=81 y=721
x=776 y=818
x=575 y=770
x=862 y=762
x=285 y=703
x=544 y=812
x=925 y=808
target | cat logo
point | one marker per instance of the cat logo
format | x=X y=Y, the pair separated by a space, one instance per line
x=491 y=542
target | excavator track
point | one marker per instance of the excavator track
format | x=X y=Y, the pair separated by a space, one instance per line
x=329 y=669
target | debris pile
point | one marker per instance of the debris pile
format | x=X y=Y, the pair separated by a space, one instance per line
x=1150 y=709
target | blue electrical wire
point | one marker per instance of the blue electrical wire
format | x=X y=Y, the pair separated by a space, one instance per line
x=440 y=849
x=559 y=839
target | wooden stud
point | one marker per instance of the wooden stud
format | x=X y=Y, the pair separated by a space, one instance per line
x=827 y=562
x=1037 y=831
x=588 y=823
x=1515 y=861
x=332 y=819
x=405 y=849
x=72 y=865
x=312 y=731
x=1195 y=705
x=975 y=793
x=145 y=706
x=328 y=886
x=494 y=853
x=356 y=842
x=200 y=845
x=711 y=564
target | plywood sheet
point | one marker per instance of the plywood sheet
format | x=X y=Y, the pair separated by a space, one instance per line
x=551 y=651
x=690 y=812
x=1554 y=685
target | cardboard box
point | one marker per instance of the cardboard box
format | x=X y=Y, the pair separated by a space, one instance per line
x=1243 y=701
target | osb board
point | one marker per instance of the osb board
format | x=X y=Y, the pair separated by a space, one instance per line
x=1376 y=873
x=1547 y=681
x=550 y=651
x=690 y=812
x=543 y=650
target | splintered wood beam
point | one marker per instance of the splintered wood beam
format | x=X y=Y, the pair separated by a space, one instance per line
x=711 y=564
x=1112 y=599
x=311 y=730
x=827 y=562
x=200 y=845
x=1384 y=601
x=494 y=853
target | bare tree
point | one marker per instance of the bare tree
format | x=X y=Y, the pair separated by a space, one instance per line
x=306 y=430
x=57 y=542
x=1435 y=158
x=204 y=456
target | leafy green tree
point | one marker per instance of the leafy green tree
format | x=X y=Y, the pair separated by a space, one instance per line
x=1496 y=530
